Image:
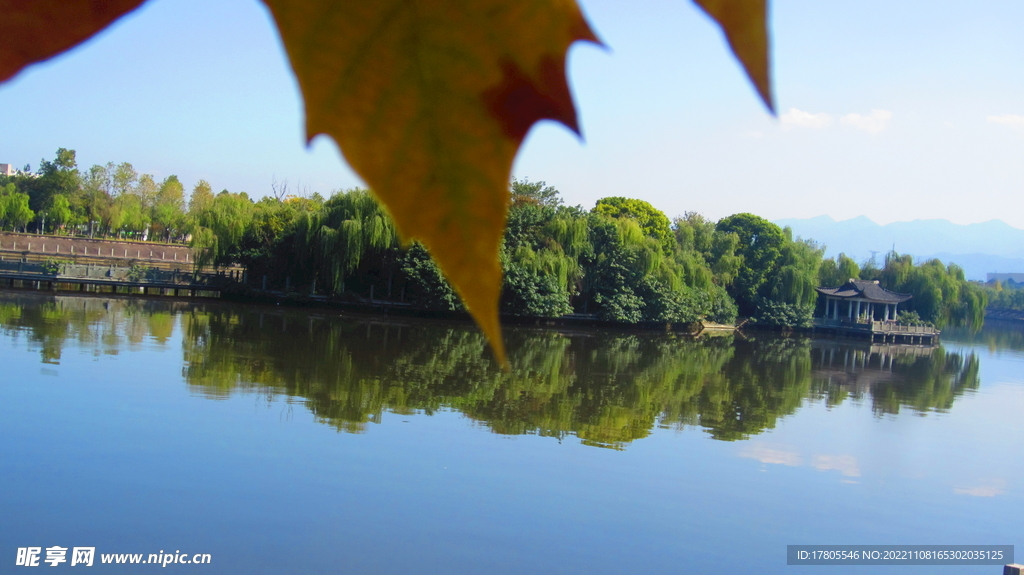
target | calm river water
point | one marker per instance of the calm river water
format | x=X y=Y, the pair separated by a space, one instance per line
x=287 y=441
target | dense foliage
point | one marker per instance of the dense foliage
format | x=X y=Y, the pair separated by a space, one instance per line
x=1005 y=295
x=622 y=261
x=556 y=260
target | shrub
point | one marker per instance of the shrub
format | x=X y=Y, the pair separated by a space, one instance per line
x=778 y=314
x=911 y=318
x=138 y=273
x=53 y=266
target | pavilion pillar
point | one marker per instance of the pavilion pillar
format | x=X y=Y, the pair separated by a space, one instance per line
x=858 y=309
x=835 y=309
x=886 y=312
x=894 y=306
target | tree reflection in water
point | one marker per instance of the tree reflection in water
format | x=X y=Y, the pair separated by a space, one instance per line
x=921 y=378
x=103 y=326
x=608 y=388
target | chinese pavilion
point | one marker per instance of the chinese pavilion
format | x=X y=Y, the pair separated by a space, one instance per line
x=863 y=299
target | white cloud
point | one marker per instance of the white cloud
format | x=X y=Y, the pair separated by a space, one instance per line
x=766 y=454
x=985 y=489
x=845 y=464
x=779 y=455
x=1012 y=120
x=801 y=119
x=874 y=123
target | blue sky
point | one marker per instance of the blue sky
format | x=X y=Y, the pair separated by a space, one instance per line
x=893 y=110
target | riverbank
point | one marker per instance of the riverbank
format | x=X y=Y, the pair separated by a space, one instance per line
x=1005 y=314
x=241 y=294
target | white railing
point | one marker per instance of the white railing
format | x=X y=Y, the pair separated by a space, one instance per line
x=889 y=326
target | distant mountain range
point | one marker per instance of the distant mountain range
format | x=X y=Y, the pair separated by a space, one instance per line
x=992 y=246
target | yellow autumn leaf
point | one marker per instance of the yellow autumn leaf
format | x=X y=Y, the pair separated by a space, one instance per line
x=429 y=101
x=35 y=30
x=745 y=24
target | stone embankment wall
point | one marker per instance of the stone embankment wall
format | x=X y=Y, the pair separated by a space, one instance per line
x=58 y=247
x=1010 y=314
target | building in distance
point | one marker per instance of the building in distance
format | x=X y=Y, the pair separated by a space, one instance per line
x=1015 y=278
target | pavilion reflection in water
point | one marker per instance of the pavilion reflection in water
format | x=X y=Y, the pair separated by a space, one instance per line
x=925 y=378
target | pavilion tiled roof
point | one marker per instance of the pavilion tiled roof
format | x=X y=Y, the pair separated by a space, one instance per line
x=868 y=290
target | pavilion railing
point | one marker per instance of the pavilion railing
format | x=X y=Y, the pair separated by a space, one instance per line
x=896 y=327
x=886 y=326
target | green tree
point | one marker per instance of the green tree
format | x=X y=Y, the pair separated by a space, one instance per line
x=724 y=260
x=351 y=239
x=56 y=178
x=201 y=198
x=652 y=221
x=124 y=177
x=97 y=189
x=838 y=271
x=539 y=193
x=17 y=213
x=629 y=277
x=424 y=283
x=221 y=228
x=796 y=273
x=168 y=208
x=59 y=212
x=942 y=295
x=1005 y=296
x=760 y=245
x=698 y=236
x=540 y=251
x=146 y=189
x=6 y=191
x=129 y=217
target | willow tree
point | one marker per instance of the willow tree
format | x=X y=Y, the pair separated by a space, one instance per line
x=630 y=277
x=942 y=294
x=796 y=273
x=836 y=272
x=351 y=232
x=540 y=252
x=219 y=228
x=14 y=209
x=59 y=212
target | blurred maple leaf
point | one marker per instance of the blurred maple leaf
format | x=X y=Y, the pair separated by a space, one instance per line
x=745 y=24
x=429 y=101
x=36 y=30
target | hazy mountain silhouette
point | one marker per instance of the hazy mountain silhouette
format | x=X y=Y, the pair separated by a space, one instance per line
x=992 y=246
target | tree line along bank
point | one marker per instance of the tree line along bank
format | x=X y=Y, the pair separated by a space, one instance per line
x=623 y=260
